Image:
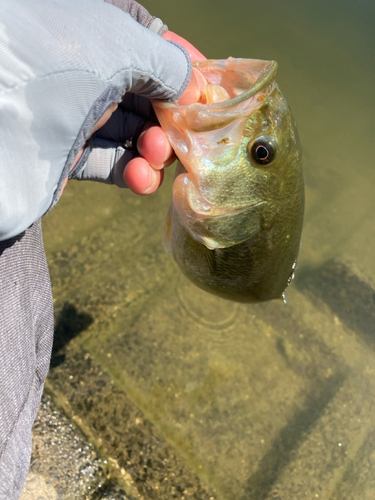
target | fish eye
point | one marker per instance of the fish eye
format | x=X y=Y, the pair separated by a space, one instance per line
x=263 y=150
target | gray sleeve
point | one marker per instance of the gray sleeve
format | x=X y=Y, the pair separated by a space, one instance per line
x=61 y=65
x=105 y=162
x=114 y=145
x=141 y=15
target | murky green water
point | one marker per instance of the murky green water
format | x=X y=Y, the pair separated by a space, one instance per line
x=260 y=401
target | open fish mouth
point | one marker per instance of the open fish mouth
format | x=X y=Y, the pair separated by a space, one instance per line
x=246 y=81
x=240 y=84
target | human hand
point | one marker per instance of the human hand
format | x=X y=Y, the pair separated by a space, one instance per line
x=62 y=87
x=140 y=166
x=144 y=174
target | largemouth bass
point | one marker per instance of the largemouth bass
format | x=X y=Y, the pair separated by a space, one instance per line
x=235 y=220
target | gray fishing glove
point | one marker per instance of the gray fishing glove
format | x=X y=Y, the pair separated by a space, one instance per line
x=114 y=145
x=62 y=64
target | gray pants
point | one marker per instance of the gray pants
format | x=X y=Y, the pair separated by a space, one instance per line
x=26 y=334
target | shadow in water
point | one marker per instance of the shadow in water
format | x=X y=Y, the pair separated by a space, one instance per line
x=69 y=324
x=348 y=297
x=291 y=436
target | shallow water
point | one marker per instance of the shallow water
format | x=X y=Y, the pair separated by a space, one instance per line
x=261 y=401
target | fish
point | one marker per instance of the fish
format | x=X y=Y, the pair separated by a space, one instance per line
x=235 y=220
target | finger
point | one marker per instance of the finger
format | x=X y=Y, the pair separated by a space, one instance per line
x=141 y=178
x=195 y=90
x=154 y=147
x=194 y=53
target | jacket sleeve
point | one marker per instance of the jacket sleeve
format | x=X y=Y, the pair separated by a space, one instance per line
x=141 y=15
x=62 y=64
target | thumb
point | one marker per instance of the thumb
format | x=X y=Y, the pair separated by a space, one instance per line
x=194 y=53
x=196 y=88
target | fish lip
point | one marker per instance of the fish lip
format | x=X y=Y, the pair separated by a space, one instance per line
x=214 y=211
x=236 y=211
x=198 y=220
x=221 y=212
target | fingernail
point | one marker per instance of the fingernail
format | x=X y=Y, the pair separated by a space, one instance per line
x=152 y=181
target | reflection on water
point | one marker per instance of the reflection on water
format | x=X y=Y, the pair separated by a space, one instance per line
x=261 y=401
